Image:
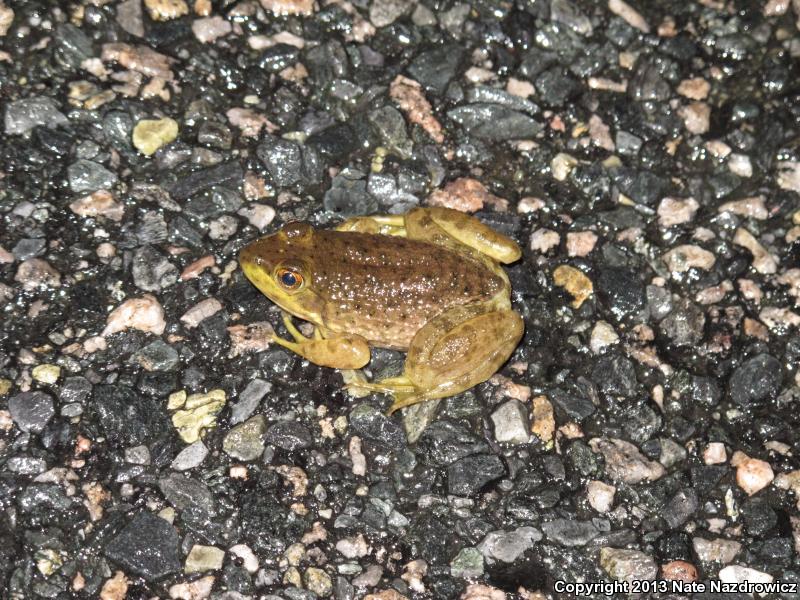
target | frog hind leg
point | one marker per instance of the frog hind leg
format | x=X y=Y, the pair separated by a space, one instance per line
x=337 y=352
x=451 y=228
x=379 y=224
x=455 y=351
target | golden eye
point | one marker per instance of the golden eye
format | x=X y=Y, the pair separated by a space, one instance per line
x=289 y=279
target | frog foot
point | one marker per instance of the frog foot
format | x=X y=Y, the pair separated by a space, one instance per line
x=404 y=392
x=345 y=352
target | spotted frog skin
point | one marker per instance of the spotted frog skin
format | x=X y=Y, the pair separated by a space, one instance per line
x=428 y=282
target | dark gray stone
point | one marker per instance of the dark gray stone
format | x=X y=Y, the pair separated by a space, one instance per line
x=289 y=435
x=27 y=113
x=756 y=381
x=31 y=411
x=88 y=176
x=147 y=546
x=568 y=532
x=471 y=474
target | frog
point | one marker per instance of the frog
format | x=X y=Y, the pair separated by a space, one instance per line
x=429 y=282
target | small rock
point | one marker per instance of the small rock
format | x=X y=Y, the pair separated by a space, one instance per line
x=603 y=336
x=580 y=243
x=763 y=261
x=151 y=134
x=624 y=462
x=751 y=207
x=508 y=546
x=680 y=508
x=289 y=435
x=562 y=165
x=199 y=589
x=696 y=88
x=511 y=423
x=409 y=96
x=99 y=204
x=198 y=414
x=756 y=381
x=318 y=582
x=281 y=8
x=464 y=194
x=753 y=475
x=27 y=113
x=258 y=215
x=600 y=495
x=246 y=441
x=740 y=574
x=468 y=564
x=682 y=258
x=628 y=565
x=739 y=164
x=249 y=400
x=166 y=10
x=200 y=312
x=575 y=282
x=674 y=211
x=542 y=240
x=247 y=556
x=144 y=314
x=190 y=457
x=151 y=270
x=210 y=29
x=147 y=546
x=47 y=373
x=31 y=411
x=716 y=550
x=469 y=475
x=115 y=588
x=679 y=570
x=629 y=14
x=88 y=176
x=6 y=18
x=568 y=532
x=715 y=454
x=203 y=558
x=696 y=117
x=544 y=423
x=36 y=273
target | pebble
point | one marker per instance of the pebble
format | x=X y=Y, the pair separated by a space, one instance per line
x=717 y=550
x=695 y=88
x=157 y=356
x=281 y=8
x=600 y=495
x=679 y=570
x=628 y=565
x=248 y=400
x=788 y=175
x=763 y=261
x=152 y=271
x=99 y=204
x=201 y=311
x=578 y=285
x=468 y=564
x=36 y=273
x=199 y=589
x=511 y=423
x=89 y=176
x=23 y=115
x=318 y=582
x=147 y=546
x=715 y=454
x=246 y=555
x=756 y=381
x=144 y=314
x=508 y=546
x=258 y=215
x=751 y=207
x=752 y=474
x=46 y=373
x=166 y=10
x=190 y=457
x=246 y=441
x=629 y=14
x=603 y=336
x=464 y=194
x=739 y=164
x=580 y=243
x=696 y=117
x=151 y=134
x=675 y=211
x=544 y=423
x=198 y=414
x=562 y=165
x=624 y=461
x=467 y=476
x=31 y=411
x=203 y=558
x=6 y=18
x=568 y=532
x=543 y=240
x=740 y=574
x=353 y=547
x=684 y=257
x=210 y=29
x=115 y=588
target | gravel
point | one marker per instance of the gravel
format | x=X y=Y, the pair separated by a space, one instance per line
x=156 y=443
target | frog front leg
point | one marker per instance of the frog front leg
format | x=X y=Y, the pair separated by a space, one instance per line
x=455 y=351
x=451 y=228
x=337 y=352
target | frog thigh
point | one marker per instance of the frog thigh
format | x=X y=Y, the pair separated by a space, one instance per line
x=460 y=348
x=443 y=225
x=383 y=224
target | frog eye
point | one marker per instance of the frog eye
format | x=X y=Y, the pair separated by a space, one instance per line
x=289 y=279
